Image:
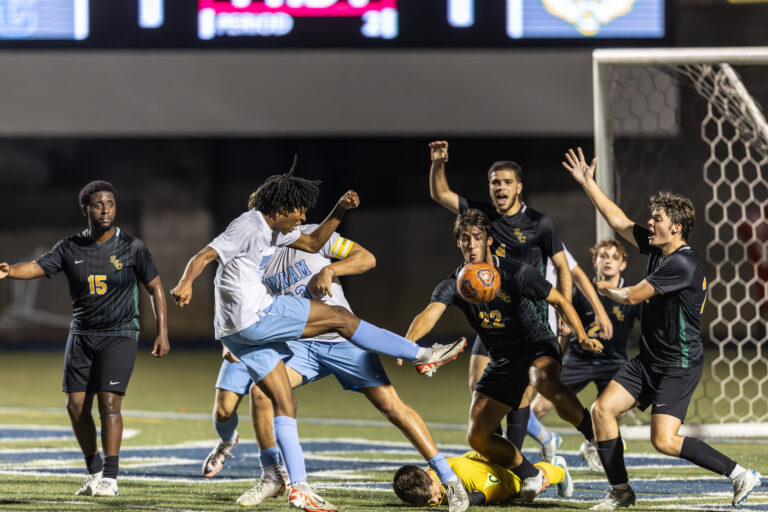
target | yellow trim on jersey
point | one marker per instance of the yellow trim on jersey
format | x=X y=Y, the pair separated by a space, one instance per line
x=341 y=248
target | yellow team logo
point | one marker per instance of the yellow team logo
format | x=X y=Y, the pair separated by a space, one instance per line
x=505 y=297
x=491 y=481
x=593 y=330
x=520 y=236
x=501 y=251
x=704 y=287
x=116 y=262
x=588 y=16
x=618 y=314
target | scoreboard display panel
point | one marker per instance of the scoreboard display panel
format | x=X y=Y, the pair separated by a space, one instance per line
x=329 y=23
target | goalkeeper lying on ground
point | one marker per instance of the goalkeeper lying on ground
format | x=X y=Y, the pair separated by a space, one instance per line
x=485 y=482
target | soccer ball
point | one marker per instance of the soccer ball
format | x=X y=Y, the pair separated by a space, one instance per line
x=478 y=283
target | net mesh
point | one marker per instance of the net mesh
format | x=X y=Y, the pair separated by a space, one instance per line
x=698 y=130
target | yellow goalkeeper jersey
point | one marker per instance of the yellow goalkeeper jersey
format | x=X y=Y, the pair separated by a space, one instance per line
x=495 y=482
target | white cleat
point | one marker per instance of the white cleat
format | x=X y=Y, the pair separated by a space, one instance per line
x=549 y=449
x=106 y=487
x=303 y=497
x=564 y=488
x=588 y=452
x=214 y=462
x=744 y=484
x=531 y=487
x=266 y=487
x=438 y=355
x=616 y=499
x=458 y=501
x=90 y=483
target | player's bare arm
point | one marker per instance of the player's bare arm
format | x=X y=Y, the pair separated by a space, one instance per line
x=584 y=174
x=564 y=283
x=425 y=321
x=157 y=295
x=565 y=309
x=358 y=261
x=182 y=292
x=26 y=270
x=439 y=190
x=314 y=241
x=632 y=295
x=601 y=315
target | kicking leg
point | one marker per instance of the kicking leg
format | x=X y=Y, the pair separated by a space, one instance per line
x=225 y=421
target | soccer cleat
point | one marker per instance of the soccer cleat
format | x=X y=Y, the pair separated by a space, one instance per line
x=564 y=488
x=530 y=488
x=214 y=462
x=106 y=487
x=90 y=483
x=302 y=496
x=549 y=449
x=458 y=501
x=588 y=452
x=744 y=484
x=266 y=487
x=616 y=499
x=438 y=355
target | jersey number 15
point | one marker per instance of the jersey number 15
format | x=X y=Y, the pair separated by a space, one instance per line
x=97 y=283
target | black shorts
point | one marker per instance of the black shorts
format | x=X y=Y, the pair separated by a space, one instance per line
x=668 y=389
x=506 y=378
x=478 y=347
x=578 y=373
x=98 y=363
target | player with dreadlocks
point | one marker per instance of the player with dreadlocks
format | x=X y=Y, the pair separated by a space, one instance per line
x=255 y=326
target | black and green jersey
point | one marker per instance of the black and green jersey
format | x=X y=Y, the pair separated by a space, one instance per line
x=103 y=281
x=510 y=323
x=671 y=321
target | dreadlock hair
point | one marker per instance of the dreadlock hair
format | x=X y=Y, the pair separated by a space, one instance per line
x=411 y=484
x=471 y=218
x=283 y=193
x=84 y=198
x=678 y=208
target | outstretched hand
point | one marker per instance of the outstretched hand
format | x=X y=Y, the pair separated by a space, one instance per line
x=349 y=200
x=578 y=167
x=439 y=151
x=5 y=269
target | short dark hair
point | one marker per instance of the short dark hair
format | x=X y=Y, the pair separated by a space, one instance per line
x=283 y=193
x=679 y=209
x=471 y=218
x=411 y=484
x=91 y=188
x=507 y=165
x=609 y=242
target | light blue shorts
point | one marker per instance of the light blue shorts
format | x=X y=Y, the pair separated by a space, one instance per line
x=353 y=367
x=263 y=344
x=234 y=377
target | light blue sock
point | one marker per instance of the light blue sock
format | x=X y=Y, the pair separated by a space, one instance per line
x=269 y=457
x=374 y=339
x=225 y=430
x=536 y=429
x=440 y=466
x=287 y=438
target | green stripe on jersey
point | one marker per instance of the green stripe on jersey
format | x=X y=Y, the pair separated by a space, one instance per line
x=683 y=338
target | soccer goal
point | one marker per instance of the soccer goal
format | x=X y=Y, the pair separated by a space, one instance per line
x=689 y=120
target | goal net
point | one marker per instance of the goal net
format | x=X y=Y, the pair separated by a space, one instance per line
x=689 y=121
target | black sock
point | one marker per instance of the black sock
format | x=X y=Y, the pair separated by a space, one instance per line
x=704 y=456
x=111 y=465
x=585 y=427
x=525 y=469
x=94 y=463
x=611 y=454
x=517 y=425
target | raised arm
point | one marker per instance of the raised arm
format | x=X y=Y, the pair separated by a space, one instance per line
x=439 y=190
x=566 y=310
x=629 y=294
x=182 y=292
x=26 y=270
x=601 y=315
x=584 y=174
x=358 y=261
x=314 y=241
x=423 y=323
x=157 y=296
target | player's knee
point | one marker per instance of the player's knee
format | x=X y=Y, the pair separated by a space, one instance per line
x=346 y=322
x=74 y=408
x=599 y=411
x=478 y=439
x=665 y=445
x=222 y=413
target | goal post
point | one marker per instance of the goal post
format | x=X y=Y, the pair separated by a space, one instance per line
x=689 y=120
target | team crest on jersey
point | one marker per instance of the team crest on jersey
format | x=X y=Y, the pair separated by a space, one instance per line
x=588 y=16
x=593 y=330
x=501 y=251
x=504 y=296
x=520 y=236
x=618 y=314
x=116 y=262
x=491 y=481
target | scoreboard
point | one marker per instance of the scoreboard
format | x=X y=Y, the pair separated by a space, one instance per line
x=328 y=23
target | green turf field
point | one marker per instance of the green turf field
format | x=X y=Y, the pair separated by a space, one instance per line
x=167 y=412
